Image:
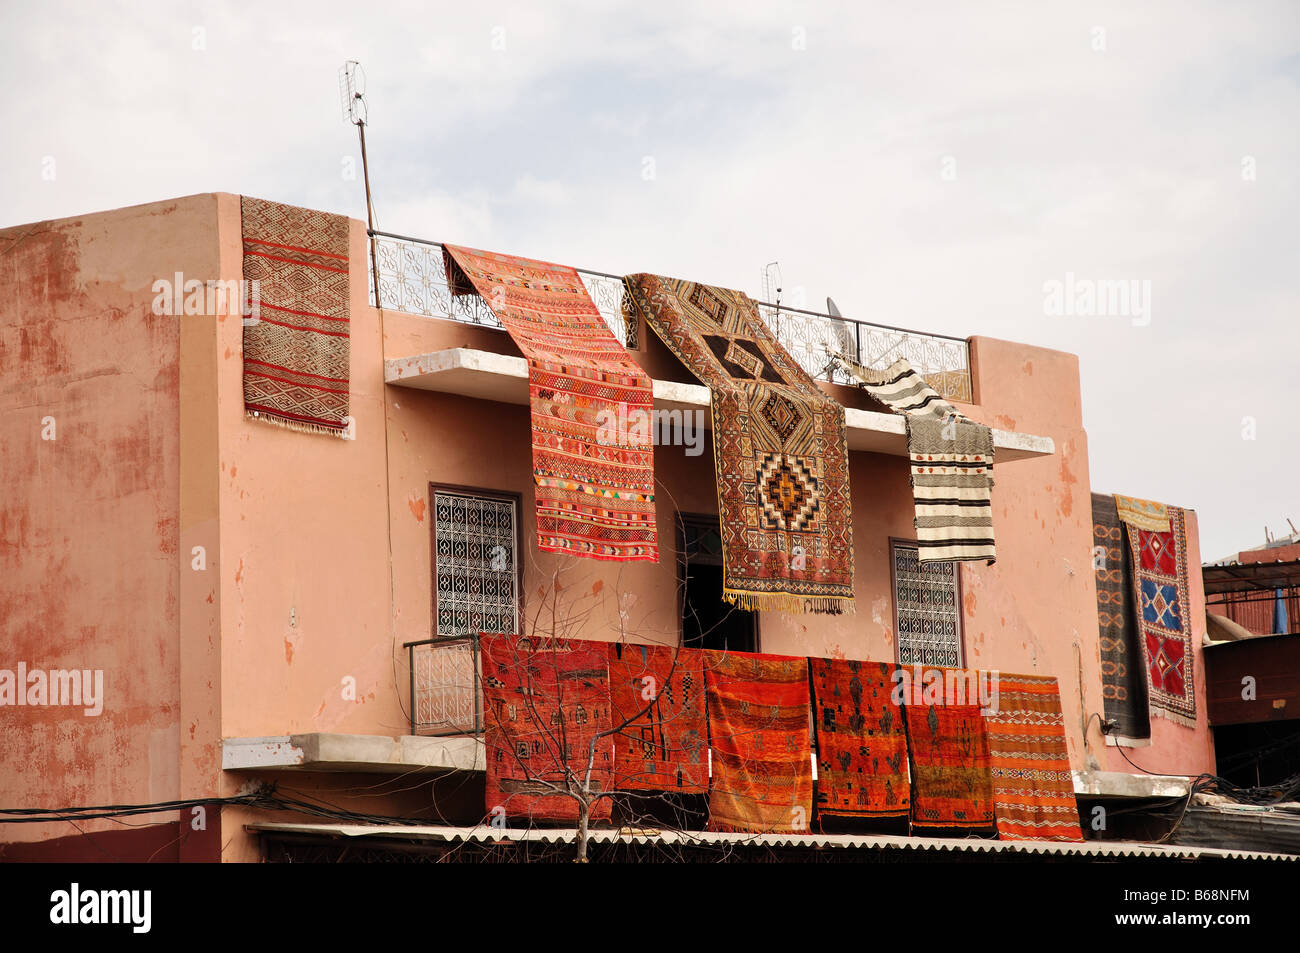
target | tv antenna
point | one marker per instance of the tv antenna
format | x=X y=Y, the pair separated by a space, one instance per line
x=772 y=291
x=772 y=283
x=352 y=94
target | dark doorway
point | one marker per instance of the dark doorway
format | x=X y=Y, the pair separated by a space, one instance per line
x=708 y=621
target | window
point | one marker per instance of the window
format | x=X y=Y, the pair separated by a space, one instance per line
x=476 y=547
x=927 y=608
x=708 y=621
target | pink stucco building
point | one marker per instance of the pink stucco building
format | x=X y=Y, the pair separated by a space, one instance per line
x=248 y=592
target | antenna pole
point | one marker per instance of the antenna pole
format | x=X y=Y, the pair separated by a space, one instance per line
x=370 y=214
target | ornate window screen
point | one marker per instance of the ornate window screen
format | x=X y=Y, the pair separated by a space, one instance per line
x=927 y=609
x=475 y=564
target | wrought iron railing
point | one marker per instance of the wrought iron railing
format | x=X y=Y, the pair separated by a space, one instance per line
x=446 y=695
x=412 y=278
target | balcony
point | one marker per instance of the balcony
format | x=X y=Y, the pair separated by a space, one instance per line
x=412 y=278
x=446 y=697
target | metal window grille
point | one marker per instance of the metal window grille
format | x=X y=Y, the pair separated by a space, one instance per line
x=927 y=610
x=475 y=565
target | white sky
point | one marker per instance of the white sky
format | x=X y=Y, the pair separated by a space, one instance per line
x=813 y=134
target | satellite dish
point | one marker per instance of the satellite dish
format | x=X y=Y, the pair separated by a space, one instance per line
x=839 y=336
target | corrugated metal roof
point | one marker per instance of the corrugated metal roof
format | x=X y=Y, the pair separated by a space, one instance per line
x=1245 y=577
x=482 y=834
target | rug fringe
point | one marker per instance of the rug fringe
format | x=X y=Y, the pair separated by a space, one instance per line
x=787 y=602
x=296 y=425
x=1175 y=717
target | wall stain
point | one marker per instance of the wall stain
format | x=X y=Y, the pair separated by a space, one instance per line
x=418 y=506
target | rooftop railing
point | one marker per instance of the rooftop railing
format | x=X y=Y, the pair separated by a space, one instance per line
x=412 y=278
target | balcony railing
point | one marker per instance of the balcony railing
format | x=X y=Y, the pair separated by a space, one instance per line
x=412 y=278
x=446 y=697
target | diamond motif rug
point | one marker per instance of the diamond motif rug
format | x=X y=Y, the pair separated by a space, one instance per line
x=296 y=355
x=758 y=728
x=665 y=747
x=1033 y=790
x=952 y=464
x=779 y=444
x=952 y=780
x=593 y=452
x=861 y=740
x=544 y=702
x=1161 y=603
x=1123 y=682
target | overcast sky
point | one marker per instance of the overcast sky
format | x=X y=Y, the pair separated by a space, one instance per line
x=927 y=165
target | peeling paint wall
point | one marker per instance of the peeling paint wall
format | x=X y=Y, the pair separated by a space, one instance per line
x=89 y=528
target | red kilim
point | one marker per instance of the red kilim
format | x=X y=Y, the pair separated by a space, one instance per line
x=758 y=730
x=296 y=354
x=666 y=748
x=544 y=703
x=779 y=446
x=1033 y=790
x=592 y=409
x=861 y=740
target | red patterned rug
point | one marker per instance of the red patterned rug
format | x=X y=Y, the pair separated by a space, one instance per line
x=1162 y=606
x=780 y=449
x=296 y=355
x=861 y=740
x=665 y=746
x=758 y=728
x=952 y=782
x=593 y=452
x=1033 y=790
x=543 y=705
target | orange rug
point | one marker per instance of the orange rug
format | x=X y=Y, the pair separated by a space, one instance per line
x=1033 y=790
x=952 y=781
x=861 y=740
x=758 y=730
x=593 y=450
x=665 y=745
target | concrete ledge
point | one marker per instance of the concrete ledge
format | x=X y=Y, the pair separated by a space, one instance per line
x=487 y=375
x=323 y=751
x=1122 y=784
